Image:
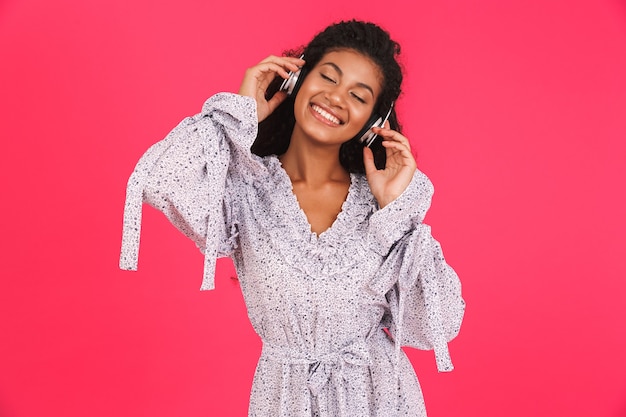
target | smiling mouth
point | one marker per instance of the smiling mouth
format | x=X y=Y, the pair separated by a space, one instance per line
x=327 y=116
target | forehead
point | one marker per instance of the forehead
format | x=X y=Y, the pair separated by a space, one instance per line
x=355 y=66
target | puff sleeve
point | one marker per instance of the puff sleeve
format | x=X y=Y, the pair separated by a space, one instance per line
x=423 y=292
x=184 y=177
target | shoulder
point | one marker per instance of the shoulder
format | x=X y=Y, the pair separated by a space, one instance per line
x=254 y=171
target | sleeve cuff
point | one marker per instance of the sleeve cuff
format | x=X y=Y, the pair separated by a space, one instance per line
x=389 y=224
x=236 y=114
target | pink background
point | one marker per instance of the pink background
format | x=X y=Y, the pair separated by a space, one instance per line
x=517 y=111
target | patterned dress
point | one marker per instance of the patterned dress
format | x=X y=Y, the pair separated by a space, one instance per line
x=332 y=310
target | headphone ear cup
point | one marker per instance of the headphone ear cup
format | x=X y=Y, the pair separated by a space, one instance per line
x=366 y=136
x=292 y=84
x=299 y=81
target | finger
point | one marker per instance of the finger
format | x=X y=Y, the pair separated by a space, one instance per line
x=368 y=161
x=397 y=142
x=299 y=62
x=259 y=77
x=399 y=153
x=274 y=58
x=272 y=68
x=392 y=135
x=397 y=146
x=275 y=101
x=291 y=63
x=267 y=70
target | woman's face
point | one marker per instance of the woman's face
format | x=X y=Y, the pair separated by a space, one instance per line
x=337 y=97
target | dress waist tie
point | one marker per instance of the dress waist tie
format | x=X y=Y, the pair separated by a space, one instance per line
x=323 y=367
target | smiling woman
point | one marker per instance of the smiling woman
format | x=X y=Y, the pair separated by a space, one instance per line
x=336 y=266
x=337 y=98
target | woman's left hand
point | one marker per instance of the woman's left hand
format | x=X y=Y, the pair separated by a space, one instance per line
x=387 y=184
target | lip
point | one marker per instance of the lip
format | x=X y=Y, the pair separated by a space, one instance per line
x=323 y=119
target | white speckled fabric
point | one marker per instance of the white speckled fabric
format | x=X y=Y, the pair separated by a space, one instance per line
x=320 y=304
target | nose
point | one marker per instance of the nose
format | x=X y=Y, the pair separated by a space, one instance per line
x=336 y=96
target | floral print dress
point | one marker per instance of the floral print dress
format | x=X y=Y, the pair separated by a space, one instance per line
x=331 y=309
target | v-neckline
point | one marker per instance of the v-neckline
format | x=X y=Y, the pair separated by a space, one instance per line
x=303 y=219
x=280 y=217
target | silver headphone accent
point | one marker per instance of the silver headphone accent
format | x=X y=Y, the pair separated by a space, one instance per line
x=290 y=82
x=369 y=136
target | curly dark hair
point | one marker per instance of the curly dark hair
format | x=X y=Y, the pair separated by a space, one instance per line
x=367 y=38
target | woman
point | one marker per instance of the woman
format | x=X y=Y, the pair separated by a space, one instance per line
x=336 y=267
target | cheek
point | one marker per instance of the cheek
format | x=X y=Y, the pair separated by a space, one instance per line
x=301 y=101
x=361 y=117
x=299 y=107
x=365 y=115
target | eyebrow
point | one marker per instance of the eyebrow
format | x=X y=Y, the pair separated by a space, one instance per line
x=336 y=67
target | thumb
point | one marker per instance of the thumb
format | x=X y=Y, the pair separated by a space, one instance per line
x=275 y=101
x=368 y=161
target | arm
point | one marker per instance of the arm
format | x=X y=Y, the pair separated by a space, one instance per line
x=422 y=291
x=425 y=299
x=184 y=175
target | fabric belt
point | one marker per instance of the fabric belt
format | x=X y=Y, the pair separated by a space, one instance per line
x=322 y=367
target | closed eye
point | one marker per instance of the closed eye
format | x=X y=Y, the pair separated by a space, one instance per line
x=327 y=78
x=358 y=98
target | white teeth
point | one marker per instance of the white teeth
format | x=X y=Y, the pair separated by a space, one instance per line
x=326 y=115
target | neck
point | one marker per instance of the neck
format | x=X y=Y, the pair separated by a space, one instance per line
x=313 y=164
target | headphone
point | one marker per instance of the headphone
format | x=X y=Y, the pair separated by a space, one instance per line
x=366 y=136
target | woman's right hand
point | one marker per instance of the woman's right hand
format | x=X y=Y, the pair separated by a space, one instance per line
x=258 y=78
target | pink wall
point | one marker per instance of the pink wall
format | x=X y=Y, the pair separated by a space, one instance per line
x=517 y=111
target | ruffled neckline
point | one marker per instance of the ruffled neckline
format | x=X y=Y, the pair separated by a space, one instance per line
x=329 y=253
